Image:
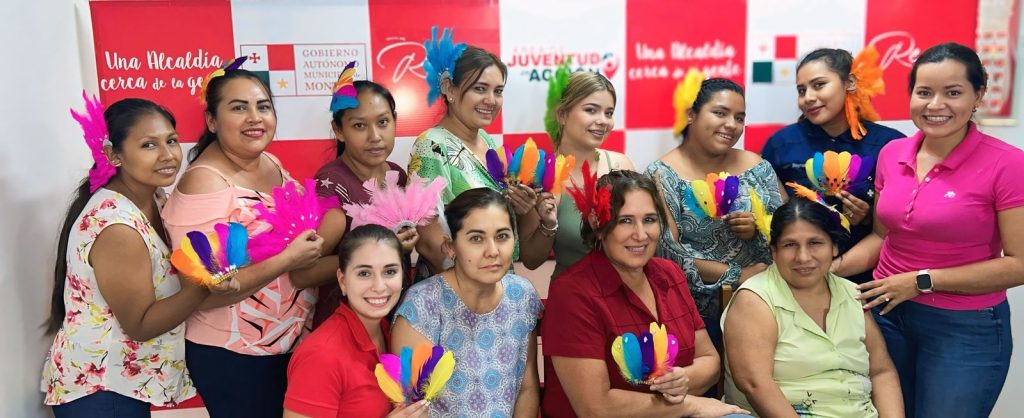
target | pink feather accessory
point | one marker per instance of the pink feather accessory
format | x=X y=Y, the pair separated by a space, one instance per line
x=294 y=211
x=395 y=207
x=94 y=130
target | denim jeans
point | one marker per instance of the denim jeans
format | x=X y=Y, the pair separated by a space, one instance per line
x=951 y=363
x=103 y=404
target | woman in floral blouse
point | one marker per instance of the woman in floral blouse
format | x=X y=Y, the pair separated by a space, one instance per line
x=118 y=308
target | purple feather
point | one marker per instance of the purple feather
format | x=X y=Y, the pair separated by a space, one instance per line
x=647 y=353
x=428 y=368
x=495 y=168
x=732 y=191
x=549 y=172
x=236 y=64
x=202 y=247
x=854 y=169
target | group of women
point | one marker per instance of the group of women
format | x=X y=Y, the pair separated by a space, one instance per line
x=300 y=333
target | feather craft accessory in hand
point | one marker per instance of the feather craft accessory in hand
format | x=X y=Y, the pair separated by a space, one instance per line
x=643 y=358
x=867 y=73
x=713 y=197
x=94 y=131
x=396 y=207
x=593 y=202
x=831 y=172
x=416 y=374
x=439 y=63
x=684 y=96
x=294 y=211
x=762 y=219
x=813 y=196
x=228 y=66
x=345 y=93
x=212 y=258
x=529 y=166
x=556 y=87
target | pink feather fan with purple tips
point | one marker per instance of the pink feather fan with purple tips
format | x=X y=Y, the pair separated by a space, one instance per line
x=294 y=211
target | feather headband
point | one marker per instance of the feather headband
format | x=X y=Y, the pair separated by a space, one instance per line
x=556 y=87
x=593 y=202
x=813 y=196
x=94 y=131
x=230 y=66
x=345 y=90
x=439 y=64
x=868 y=74
x=684 y=96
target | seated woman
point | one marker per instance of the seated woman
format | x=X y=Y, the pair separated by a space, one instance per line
x=797 y=341
x=617 y=288
x=331 y=373
x=479 y=311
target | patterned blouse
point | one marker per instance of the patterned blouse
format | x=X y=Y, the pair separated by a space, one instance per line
x=91 y=352
x=711 y=239
x=490 y=349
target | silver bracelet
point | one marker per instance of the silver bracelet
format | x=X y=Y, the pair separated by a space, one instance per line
x=548 y=232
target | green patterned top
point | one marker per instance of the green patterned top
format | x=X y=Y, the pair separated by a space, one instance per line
x=439 y=153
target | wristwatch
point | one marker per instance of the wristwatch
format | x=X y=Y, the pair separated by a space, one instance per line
x=924 y=281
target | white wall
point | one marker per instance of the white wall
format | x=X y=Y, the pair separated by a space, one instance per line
x=42 y=159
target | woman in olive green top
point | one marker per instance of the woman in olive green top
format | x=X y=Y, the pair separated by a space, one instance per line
x=585 y=118
x=797 y=342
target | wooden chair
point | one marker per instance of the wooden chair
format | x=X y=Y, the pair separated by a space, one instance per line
x=724 y=297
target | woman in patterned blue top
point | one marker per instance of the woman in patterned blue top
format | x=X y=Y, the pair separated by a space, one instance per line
x=715 y=251
x=482 y=313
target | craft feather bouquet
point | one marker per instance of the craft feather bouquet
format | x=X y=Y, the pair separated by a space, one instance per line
x=529 y=166
x=416 y=374
x=647 y=357
x=294 y=210
x=713 y=197
x=212 y=258
x=395 y=207
x=832 y=172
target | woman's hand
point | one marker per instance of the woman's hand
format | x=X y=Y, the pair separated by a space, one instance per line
x=891 y=291
x=712 y=408
x=408 y=237
x=547 y=209
x=673 y=385
x=304 y=251
x=523 y=198
x=418 y=409
x=856 y=210
x=741 y=224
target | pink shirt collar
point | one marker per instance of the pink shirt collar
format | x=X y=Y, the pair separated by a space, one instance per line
x=960 y=153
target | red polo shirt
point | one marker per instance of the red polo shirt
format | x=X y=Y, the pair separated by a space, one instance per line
x=331 y=372
x=589 y=306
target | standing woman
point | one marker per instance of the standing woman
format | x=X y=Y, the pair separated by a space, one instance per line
x=948 y=238
x=829 y=83
x=482 y=313
x=470 y=81
x=363 y=120
x=118 y=309
x=580 y=122
x=239 y=343
x=726 y=250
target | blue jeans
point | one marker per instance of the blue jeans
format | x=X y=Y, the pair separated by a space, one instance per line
x=951 y=363
x=103 y=404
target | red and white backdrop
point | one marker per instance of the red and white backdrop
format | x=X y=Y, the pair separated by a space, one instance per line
x=161 y=50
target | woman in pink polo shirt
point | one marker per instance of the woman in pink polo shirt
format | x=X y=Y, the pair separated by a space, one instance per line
x=948 y=233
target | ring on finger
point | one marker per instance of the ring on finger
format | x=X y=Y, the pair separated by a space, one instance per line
x=887 y=299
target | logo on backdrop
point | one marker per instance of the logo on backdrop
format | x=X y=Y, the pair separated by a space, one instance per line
x=896 y=47
x=537 y=64
x=303 y=69
x=403 y=57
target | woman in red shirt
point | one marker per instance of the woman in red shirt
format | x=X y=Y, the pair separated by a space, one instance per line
x=331 y=373
x=617 y=288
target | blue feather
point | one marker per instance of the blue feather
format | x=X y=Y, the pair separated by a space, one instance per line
x=517 y=161
x=690 y=201
x=238 y=242
x=819 y=168
x=632 y=355
x=406 y=359
x=538 y=174
x=441 y=55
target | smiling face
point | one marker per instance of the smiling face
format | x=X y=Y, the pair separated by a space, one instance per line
x=480 y=102
x=803 y=253
x=821 y=95
x=372 y=281
x=589 y=121
x=483 y=245
x=631 y=242
x=719 y=123
x=942 y=99
x=368 y=131
x=150 y=154
x=245 y=122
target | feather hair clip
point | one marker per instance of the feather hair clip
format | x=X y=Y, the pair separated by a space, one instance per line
x=832 y=172
x=416 y=374
x=684 y=96
x=94 y=131
x=294 y=210
x=556 y=87
x=867 y=72
x=345 y=93
x=395 y=207
x=712 y=197
x=228 y=66
x=593 y=202
x=813 y=196
x=440 y=61
x=647 y=357
x=212 y=258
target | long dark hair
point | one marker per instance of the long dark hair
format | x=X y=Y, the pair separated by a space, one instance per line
x=120 y=118
x=707 y=89
x=213 y=96
x=361 y=87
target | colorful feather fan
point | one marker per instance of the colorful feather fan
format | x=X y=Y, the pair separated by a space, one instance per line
x=813 y=196
x=684 y=96
x=867 y=72
x=712 y=197
x=529 y=166
x=344 y=89
x=395 y=207
x=212 y=258
x=647 y=357
x=294 y=211
x=556 y=87
x=416 y=374
x=762 y=219
x=832 y=172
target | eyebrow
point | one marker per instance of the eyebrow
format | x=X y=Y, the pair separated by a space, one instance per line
x=480 y=231
x=247 y=102
x=367 y=266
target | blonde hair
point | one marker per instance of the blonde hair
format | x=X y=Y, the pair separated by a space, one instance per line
x=581 y=84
